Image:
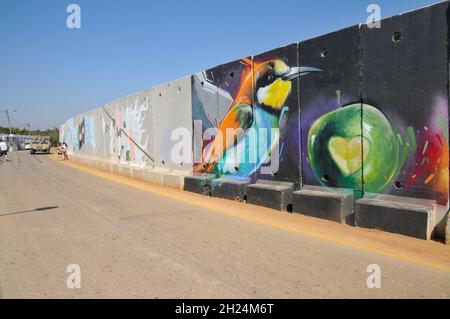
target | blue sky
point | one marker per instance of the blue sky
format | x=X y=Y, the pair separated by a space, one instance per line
x=50 y=72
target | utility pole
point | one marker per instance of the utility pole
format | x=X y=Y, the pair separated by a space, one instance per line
x=28 y=126
x=7 y=116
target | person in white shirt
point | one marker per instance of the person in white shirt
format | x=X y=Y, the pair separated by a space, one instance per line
x=64 y=150
x=3 y=150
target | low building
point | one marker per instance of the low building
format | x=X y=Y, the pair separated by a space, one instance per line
x=17 y=142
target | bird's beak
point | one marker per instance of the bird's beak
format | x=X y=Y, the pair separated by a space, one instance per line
x=295 y=72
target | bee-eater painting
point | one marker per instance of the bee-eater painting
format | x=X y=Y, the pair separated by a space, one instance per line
x=257 y=113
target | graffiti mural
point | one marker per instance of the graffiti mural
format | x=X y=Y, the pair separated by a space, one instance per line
x=408 y=84
x=378 y=125
x=223 y=99
x=262 y=109
x=115 y=132
x=67 y=134
x=339 y=154
x=337 y=150
x=86 y=133
x=81 y=136
x=330 y=113
x=127 y=137
x=429 y=148
x=333 y=111
x=277 y=94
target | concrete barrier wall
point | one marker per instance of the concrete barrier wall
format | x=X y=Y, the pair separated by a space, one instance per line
x=135 y=129
x=408 y=83
x=223 y=99
x=363 y=109
x=324 y=118
x=171 y=110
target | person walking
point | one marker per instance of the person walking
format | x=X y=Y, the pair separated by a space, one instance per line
x=3 y=151
x=64 y=151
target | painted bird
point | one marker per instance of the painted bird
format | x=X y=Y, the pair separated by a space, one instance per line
x=273 y=84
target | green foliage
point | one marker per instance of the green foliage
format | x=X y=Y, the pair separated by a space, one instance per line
x=53 y=133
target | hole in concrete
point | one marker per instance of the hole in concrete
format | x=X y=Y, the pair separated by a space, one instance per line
x=202 y=83
x=399 y=185
x=325 y=178
x=289 y=208
x=206 y=189
x=323 y=53
x=179 y=89
x=160 y=94
x=181 y=164
x=396 y=36
x=232 y=74
x=162 y=162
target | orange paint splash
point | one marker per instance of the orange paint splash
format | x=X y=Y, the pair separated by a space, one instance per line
x=429 y=178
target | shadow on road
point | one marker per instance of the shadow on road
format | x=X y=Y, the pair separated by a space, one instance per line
x=31 y=211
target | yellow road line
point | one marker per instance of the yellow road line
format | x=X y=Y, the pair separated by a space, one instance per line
x=129 y=182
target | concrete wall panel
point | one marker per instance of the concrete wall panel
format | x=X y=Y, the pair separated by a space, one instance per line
x=330 y=111
x=406 y=82
x=171 y=110
x=205 y=110
x=276 y=76
x=223 y=100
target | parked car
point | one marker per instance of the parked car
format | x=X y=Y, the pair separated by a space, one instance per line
x=40 y=144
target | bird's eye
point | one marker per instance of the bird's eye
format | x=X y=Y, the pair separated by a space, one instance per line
x=270 y=77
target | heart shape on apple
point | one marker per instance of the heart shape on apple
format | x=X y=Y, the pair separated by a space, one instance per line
x=348 y=154
x=351 y=145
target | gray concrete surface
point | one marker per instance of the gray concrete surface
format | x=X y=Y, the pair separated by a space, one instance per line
x=395 y=216
x=321 y=202
x=200 y=184
x=132 y=243
x=230 y=188
x=272 y=194
x=171 y=110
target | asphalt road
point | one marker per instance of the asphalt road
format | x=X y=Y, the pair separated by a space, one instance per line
x=132 y=242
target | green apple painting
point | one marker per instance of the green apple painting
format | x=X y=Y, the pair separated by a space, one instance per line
x=339 y=144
